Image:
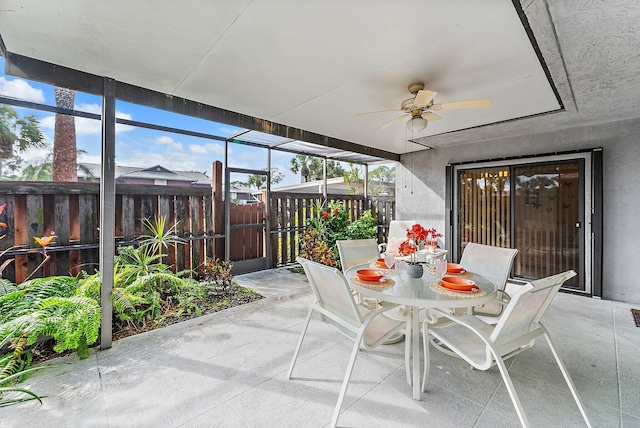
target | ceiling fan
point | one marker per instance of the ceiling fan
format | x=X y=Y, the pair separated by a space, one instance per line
x=421 y=108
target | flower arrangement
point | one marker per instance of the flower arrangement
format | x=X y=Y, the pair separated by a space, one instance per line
x=419 y=235
x=418 y=238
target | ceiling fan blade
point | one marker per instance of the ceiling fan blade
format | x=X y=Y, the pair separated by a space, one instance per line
x=391 y=122
x=429 y=116
x=484 y=102
x=375 y=112
x=423 y=98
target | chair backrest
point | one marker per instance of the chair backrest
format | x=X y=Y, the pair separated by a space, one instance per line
x=355 y=252
x=332 y=291
x=494 y=263
x=398 y=228
x=397 y=234
x=525 y=309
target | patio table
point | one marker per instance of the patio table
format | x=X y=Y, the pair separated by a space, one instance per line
x=416 y=294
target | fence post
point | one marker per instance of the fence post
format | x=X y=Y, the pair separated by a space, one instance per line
x=218 y=207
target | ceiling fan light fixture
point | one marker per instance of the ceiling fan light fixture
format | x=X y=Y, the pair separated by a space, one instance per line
x=417 y=124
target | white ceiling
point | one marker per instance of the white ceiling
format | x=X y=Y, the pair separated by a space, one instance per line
x=314 y=64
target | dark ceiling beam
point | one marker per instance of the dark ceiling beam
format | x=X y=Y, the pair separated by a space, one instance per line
x=45 y=72
x=33 y=69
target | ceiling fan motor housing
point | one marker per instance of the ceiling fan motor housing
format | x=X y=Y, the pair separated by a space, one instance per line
x=415 y=87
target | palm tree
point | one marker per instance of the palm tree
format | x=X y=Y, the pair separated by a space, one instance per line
x=21 y=130
x=311 y=168
x=334 y=169
x=300 y=163
x=63 y=167
x=354 y=180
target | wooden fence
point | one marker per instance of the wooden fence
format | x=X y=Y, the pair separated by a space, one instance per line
x=246 y=242
x=70 y=211
x=290 y=211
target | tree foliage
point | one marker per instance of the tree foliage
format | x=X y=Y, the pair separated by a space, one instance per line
x=259 y=181
x=311 y=168
x=23 y=132
x=354 y=177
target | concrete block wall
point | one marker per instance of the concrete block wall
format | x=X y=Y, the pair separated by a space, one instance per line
x=420 y=188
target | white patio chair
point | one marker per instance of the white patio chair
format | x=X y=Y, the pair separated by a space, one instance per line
x=337 y=307
x=482 y=345
x=355 y=252
x=397 y=230
x=494 y=263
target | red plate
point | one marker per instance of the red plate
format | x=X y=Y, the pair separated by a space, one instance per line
x=457 y=283
x=381 y=263
x=454 y=268
x=369 y=275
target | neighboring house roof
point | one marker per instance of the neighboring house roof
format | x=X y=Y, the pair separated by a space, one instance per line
x=311 y=186
x=157 y=172
x=240 y=189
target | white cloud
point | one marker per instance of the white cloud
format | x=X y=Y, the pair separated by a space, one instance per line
x=164 y=140
x=86 y=126
x=35 y=155
x=18 y=88
x=89 y=108
x=86 y=158
x=180 y=161
x=228 y=131
x=216 y=149
x=196 y=148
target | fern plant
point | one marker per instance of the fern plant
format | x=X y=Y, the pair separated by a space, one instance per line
x=74 y=322
x=50 y=307
x=12 y=371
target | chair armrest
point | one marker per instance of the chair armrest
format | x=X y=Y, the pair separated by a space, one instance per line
x=475 y=324
x=502 y=300
x=374 y=313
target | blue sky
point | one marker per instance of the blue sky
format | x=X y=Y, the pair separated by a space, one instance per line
x=138 y=146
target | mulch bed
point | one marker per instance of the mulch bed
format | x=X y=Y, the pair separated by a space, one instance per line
x=43 y=350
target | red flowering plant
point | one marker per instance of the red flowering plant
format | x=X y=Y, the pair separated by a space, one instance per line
x=419 y=235
x=418 y=238
x=328 y=224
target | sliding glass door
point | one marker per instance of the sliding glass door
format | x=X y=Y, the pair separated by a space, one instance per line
x=537 y=208
x=549 y=219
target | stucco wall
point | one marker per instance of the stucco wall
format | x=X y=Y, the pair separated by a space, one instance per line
x=421 y=187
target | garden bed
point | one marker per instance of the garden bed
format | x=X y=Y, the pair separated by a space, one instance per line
x=214 y=302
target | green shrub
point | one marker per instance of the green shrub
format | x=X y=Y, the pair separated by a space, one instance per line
x=318 y=241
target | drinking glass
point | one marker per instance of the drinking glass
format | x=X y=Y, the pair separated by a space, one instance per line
x=441 y=268
x=389 y=260
x=401 y=267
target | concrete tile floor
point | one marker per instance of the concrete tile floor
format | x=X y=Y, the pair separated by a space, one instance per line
x=229 y=370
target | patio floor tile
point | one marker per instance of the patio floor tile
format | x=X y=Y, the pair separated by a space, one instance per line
x=229 y=370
